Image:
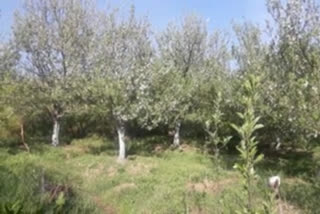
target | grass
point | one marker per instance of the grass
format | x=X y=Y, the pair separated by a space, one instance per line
x=147 y=184
x=158 y=181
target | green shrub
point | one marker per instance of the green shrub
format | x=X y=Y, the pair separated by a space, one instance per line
x=32 y=185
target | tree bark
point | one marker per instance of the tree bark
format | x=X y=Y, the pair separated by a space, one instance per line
x=22 y=137
x=56 y=132
x=176 y=138
x=121 y=141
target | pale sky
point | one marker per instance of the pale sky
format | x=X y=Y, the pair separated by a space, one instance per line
x=160 y=12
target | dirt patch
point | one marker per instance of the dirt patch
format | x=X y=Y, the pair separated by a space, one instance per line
x=211 y=187
x=125 y=186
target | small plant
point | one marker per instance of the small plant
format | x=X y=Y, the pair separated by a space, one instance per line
x=213 y=126
x=270 y=204
x=248 y=145
x=12 y=208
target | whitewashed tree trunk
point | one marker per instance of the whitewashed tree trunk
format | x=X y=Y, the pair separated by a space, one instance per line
x=176 y=138
x=56 y=132
x=122 y=145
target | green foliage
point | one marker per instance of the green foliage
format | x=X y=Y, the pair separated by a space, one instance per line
x=98 y=74
x=55 y=53
x=248 y=146
x=9 y=124
x=119 y=79
x=213 y=128
x=12 y=208
x=303 y=194
x=34 y=184
x=291 y=87
x=171 y=96
x=168 y=181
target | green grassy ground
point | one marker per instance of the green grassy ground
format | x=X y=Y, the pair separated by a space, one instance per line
x=85 y=177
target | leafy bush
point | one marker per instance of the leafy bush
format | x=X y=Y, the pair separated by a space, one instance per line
x=30 y=185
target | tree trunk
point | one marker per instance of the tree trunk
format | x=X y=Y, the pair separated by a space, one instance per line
x=22 y=137
x=56 y=132
x=176 y=138
x=122 y=145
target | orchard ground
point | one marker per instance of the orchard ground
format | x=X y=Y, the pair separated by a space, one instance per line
x=85 y=177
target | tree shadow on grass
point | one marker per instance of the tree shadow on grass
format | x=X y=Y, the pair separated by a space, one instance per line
x=149 y=146
x=292 y=163
x=108 y=148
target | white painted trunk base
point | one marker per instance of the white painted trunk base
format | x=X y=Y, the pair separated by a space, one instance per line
x=122 y=145
x=56 y=132
x=176 y=138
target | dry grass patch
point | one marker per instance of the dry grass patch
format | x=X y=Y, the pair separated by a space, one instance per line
x=112 y=171
x=187 y=148
x=139 y=169
x=159 y=148
x=286 y=208
x=94 y=172
x=105 y=208
x=125 y=186
x=71 y=151
x=211 y=187
x=295 y=181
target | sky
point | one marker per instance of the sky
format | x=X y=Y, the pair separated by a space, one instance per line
x=219 y=13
